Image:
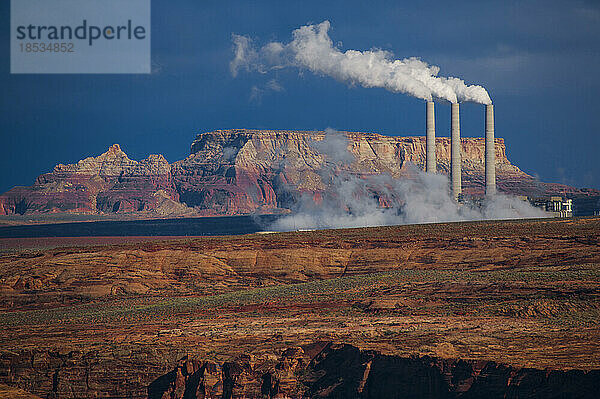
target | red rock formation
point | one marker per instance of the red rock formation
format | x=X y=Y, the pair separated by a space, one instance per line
x=240 y=171
x=313 y=371
x=110 y=182
x=344 y=371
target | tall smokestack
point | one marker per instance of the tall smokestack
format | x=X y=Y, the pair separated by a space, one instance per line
x=455 y=148
x=430 y=162
x=490 y=152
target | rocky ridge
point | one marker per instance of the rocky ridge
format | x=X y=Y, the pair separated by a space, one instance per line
x=110 y=182
x=344 y=371
x=241 y=171
x=316 y=370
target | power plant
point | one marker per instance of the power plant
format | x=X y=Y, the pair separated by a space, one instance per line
x=490 y=152
x=430 y=163
x=455 y=152
x=455 y=148
x=312 y=49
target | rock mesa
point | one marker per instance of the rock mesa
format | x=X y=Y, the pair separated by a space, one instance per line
x=241 y=171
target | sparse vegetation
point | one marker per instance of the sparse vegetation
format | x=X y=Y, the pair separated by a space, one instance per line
x=532 y=302
x=522 y=293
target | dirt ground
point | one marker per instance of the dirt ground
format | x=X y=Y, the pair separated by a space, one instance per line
x=522 y=293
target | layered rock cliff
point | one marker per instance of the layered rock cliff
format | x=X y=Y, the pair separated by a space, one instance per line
x=326 y=370
x=110 y=182
x=317 y=370
x=244 y=171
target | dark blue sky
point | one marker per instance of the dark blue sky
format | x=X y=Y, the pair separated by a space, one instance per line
x=538 y=59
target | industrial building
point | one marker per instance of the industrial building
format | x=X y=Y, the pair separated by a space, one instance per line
x=557 y=206
x=455 y=148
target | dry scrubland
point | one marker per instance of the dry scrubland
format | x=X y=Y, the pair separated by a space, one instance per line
x=521 y=293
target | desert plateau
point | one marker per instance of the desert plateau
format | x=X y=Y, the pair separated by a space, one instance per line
x=505 y=308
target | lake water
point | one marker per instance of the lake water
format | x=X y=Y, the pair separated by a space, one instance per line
x=205 y=226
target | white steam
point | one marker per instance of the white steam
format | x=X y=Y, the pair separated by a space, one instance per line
x=334 y=146
x=313 y=49
x=352 y=201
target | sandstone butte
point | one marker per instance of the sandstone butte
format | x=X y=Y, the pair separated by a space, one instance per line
x=241 y=171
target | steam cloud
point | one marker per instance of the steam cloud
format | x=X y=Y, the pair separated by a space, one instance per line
x=352 y=201
x=313 y=49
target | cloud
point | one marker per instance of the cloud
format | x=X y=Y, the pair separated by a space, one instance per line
x=244 y=54
x=274 y=85
x=257 y=92
x=353 y=201
x=334 y=146
x=229 y=153
x=312 y=49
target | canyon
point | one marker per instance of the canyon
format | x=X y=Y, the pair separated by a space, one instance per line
x=344 y=371
x=242 y=171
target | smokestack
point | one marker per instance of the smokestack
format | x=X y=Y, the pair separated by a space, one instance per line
x=490 y=152
x=430 y=162
x=455 y=148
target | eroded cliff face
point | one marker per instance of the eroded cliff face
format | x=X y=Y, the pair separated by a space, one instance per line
x=327 y=370
x=317 y=370
x=110 y=182
x=242 y=171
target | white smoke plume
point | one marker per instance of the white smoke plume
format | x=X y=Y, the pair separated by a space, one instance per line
x=256 y=93
x=311 y=48
x=334 y=146
x=353 y=201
